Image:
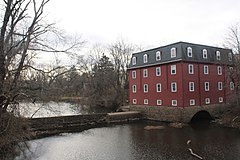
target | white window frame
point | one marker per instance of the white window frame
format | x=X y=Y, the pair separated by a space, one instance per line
x=206 y=86
x=231 y=86
x=134 y=74
x=145 y=58
x=145 y=101
x=190 y=69
x=192 y=102
x=158 y=87
x=204 y=52
x=189 y=51
x=145 y=88
x=158 y=71
x=205 y=69
x=207 y=101
x=191 y=86
x=218 y=55
x=174 y=102
x=219 y=70
x=230 y=56
x=173 y=69
x=159 y=102
x=145 y=73
x=134 y=101
x=174 y=87
x=134 y=88
x=134 y=60
x=158 y=56
x=220 y=86
x=220 y=99
x=173 y=52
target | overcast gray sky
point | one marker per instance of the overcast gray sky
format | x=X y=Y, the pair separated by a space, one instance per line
x=146 y=22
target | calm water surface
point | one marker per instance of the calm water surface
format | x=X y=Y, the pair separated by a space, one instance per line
x=132 y=142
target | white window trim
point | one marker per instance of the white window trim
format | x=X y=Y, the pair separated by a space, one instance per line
x=172 y=84
x=191 y=89
x=158 y=56
x=158 y=68
x=218 y=55
x=174 y=102
x=134 y=74
x=219 y=70
x=173 y=52
x=134 y=88
x=145 y=58
x=158 y=84
x=205 y=69
x=159 y=102
x=134 y=101
x=145 y=88
x=189 y=69
x=205 y=86
x=207 y=101
x=204 y=52
x=220 y=86
x=189 y=51
x=134 y=61
x=145 y=101
x=192 y=102
x=173 y=68
x=145 y=73
x=220 y=99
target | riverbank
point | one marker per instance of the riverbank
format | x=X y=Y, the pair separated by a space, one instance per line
x=231 y=118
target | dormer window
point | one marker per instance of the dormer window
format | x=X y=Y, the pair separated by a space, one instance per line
x=189 y=51
x=134 y=61
x=158 y=56
x=218 y=56
x=230 y=56
x=204 y=54
x=173 y=52
x=145 y=58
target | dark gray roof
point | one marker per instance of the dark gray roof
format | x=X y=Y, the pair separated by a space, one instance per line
x=181 y=50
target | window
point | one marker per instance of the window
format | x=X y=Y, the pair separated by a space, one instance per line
x=145 y=58
x=158 y=71
x=134 y=60
x=218 y=56
x=145 y=88
x=134 y=74
x=231 y=86
x=158 y=87
x=174 y=102
x=189 y=51
x=158 y=56
x=134 y=88
x=207 y=100
x=159 y=102
x=220 y=86
x=205 y=69
x=145 y=73
x=204 y=54
x=145 y=101
x=191 y=86
x=174 y=87
x=230 y=69
x=230 y=56
x=192 y=102
x=206 y=86
x=219 y=69
x=134 y=101
x=173 y=69
x=220 y=99
x=190 y=69
x=173 y=52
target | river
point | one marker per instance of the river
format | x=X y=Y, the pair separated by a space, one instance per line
x=133 y=142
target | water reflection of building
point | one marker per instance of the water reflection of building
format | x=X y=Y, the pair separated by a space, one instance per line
x=182 y=74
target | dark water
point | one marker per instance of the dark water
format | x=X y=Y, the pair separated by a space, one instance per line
x=133 y=142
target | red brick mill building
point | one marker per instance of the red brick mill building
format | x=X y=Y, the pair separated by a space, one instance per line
x=181 y=75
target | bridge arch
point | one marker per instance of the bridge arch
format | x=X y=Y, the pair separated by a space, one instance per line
x=201 y=115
